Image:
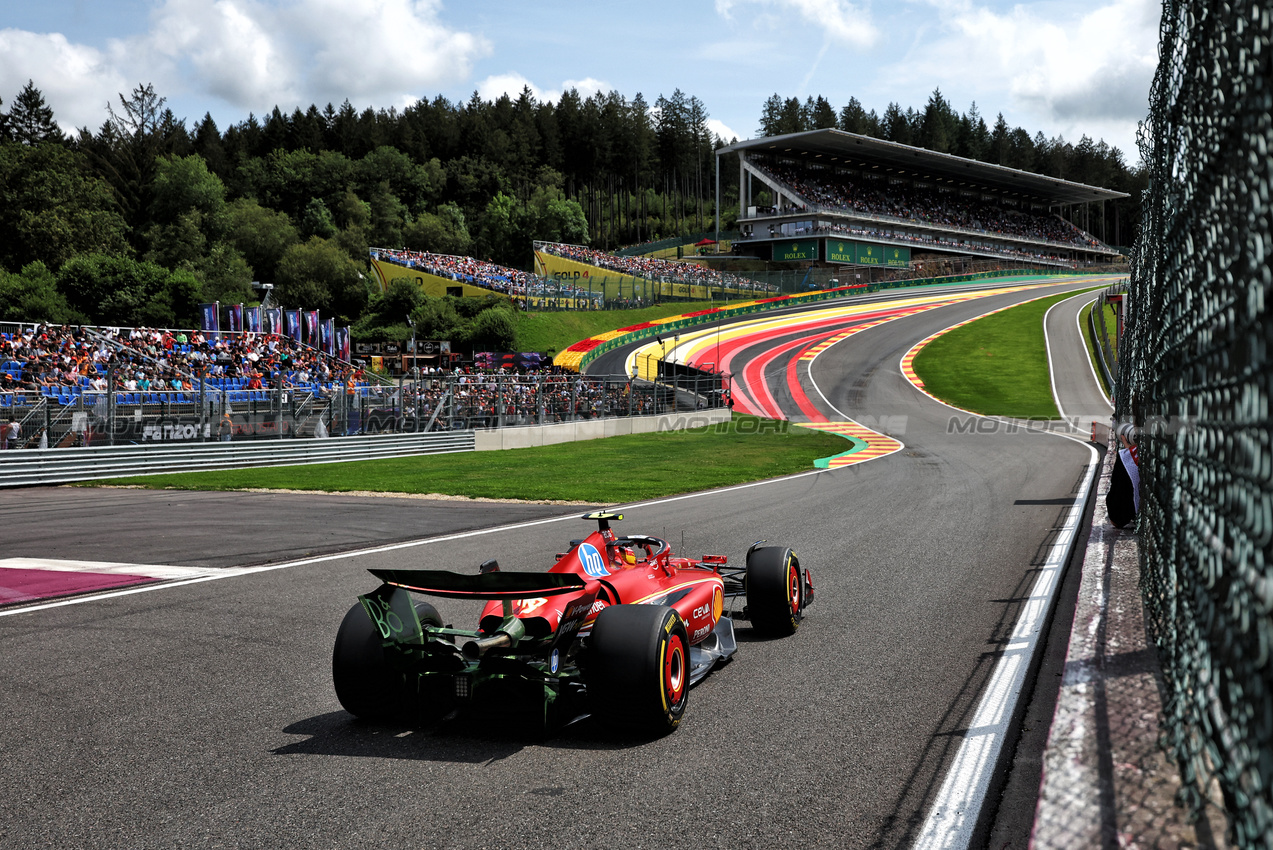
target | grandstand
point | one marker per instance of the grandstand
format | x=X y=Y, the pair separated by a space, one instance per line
x=843 y=199
x=81 y=385
x=466 y=277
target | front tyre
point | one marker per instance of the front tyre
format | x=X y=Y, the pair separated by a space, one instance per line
x=638 y=669
x=775 y=590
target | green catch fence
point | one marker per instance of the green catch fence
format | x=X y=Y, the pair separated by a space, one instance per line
x=1195 y=376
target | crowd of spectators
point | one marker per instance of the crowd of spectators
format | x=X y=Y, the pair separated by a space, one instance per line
x=515 y=283
x=63 y=362
x=488 y=398
x=471 y=397
x=823 y=190
x=651 y=268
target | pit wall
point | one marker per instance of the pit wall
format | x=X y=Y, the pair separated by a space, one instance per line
x=528 y=436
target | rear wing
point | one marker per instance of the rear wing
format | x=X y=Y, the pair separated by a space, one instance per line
x=492 y=585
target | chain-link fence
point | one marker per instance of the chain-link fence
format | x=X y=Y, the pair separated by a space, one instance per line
x=1195 y=376
x=449 y=402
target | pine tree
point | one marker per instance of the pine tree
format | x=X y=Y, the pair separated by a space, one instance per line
x=30 y=119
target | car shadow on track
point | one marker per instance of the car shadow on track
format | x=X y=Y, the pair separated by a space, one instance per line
x=457 y=740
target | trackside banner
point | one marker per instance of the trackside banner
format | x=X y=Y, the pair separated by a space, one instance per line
x=210 y=319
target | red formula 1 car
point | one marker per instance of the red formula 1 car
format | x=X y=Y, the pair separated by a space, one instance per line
x=618 y=627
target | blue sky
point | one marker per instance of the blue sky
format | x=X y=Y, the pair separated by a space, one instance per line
x=1069 y=68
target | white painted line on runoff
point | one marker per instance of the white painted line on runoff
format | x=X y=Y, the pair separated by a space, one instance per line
x=107 y=567
x=231 y=572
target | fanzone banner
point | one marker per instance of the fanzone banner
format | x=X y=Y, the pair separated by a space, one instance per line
x=342 y=343
x=210 y=319
x=252 y=318
x=329 y=337
x=274 y=320
x=294 y=325
x=311 y=328
x=236 y=318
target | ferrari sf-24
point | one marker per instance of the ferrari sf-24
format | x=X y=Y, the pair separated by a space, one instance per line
x=618 y=628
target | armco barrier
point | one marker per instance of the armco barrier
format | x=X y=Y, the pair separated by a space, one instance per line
x=59 y=466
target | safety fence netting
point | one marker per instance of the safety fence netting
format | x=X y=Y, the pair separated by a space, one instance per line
x=1195 y=376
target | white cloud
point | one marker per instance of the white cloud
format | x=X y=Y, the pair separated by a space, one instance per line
x=838 y=21
x=512 y=84
x=229 y=51
x=76 y=81
x=378 y=48
x=722 y=131
x=1073 y=68
x=251 y=55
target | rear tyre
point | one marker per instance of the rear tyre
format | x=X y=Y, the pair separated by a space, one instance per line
x=774 y=591
x=366 y=685
x=638 y=670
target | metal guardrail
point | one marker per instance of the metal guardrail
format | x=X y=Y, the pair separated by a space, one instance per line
x=61 y=466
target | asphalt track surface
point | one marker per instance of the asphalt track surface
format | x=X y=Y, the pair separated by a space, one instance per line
x=201 y=713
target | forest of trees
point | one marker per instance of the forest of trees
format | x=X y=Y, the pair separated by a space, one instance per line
x=143 y=218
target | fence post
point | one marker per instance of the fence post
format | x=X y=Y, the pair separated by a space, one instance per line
x=110 y=405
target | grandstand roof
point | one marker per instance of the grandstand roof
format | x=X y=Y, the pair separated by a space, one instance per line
x=839 y=147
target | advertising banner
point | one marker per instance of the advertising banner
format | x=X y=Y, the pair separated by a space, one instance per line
x=311 y=328
x=294 y=325
x=839 y=251
x=898 y=258
x=236 y=318
x=342 y=343
x=787 y=252
x=210 y=319
x=274 y=321
x=252 y=319
x=328 y=335
x=870 y=255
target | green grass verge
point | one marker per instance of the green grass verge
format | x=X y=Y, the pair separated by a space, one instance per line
x=608 y=471
x=996 y=366
x=556 y=332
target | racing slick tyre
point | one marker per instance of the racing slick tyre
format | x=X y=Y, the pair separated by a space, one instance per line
x=366 y=685
x=774 y=591
x=638 y=671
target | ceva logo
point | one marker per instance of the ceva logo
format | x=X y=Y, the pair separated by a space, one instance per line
x=593 y=564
